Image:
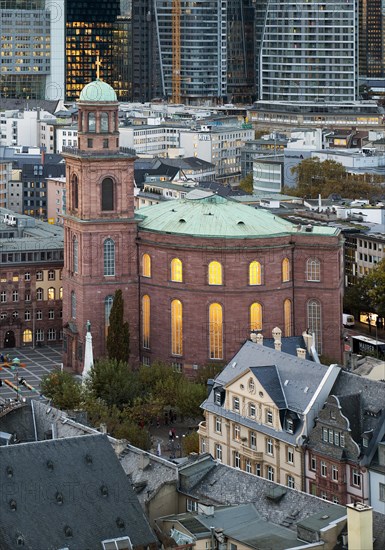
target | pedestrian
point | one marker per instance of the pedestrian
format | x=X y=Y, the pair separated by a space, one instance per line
x=173 y=433
x=2 y=358
x=166 y=418
x=170 y=435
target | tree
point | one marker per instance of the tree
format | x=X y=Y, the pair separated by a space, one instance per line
x=246 y=184
x=118 y=338
x=190 y=443
x=189 y=397
x=375 y=285
x=114 y=382
x=62 y=388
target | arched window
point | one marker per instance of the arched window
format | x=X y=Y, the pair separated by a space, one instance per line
x=104 y=122
x=256 y=316
x=27 y=336
x=146 y=265
x=314 y=322
x=75 y=192
x=73 y=305
x=313 y=270
x=215 y=273
x=285 y=270
x=216 y=331
x=176 y=270
x=91 y=122
x=75 y=254
x=109 y=257
x=255 y=273
x=146 y=321
x=61 y=293
x=176 y=327
x=287 y=317
x=107 y=194
x=39 y=294
x=51 y=294
x=108 y=301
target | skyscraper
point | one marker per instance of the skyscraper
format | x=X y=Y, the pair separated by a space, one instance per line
x=372 y=42
x=32 y=49
x=90 y=30
x=306 y=51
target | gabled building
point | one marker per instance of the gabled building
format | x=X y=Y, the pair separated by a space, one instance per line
x=345 y=440
x=260 y=410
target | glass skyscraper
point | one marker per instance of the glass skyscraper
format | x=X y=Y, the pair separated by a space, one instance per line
x=307 y=50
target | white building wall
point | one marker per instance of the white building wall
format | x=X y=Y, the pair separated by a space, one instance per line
x=55 y=81
x=375 y=480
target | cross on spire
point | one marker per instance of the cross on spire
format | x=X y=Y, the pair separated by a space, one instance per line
x=98 y=64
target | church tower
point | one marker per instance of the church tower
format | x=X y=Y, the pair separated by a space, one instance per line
x=100 y=230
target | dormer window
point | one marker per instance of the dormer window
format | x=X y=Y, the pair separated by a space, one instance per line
x=289 y=426
x=252 y=410
x=217 y=398
x=269 y=417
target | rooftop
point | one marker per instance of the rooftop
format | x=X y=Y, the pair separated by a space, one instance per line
x=215 y=216
x=97 y=91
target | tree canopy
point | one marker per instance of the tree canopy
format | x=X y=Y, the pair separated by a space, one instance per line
x=368 y=294
x=246 y=184
x=314 y=178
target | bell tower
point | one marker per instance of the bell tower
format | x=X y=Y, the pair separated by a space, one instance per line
x=99 y=228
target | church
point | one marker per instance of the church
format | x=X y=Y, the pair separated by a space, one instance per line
x=196 y=274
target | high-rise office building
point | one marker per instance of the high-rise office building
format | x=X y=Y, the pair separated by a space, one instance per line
x=372 y=43
x=192 y=40
x=306 y=51
x=94 y=34
x=32 y=49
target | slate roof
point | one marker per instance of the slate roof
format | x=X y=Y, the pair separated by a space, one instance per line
x=289 y=345
x=270 y=379
x=303 y=377
x=67 y=493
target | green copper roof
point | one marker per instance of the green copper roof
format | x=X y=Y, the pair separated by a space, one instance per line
x=98 y=91
x=216 y=216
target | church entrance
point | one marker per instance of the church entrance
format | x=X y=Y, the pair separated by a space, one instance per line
x=9 y=339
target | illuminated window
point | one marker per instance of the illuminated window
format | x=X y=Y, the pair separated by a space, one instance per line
x=107 y=194
x=75 y=253
x=285 y=270
x=313 y=270
x=255 y=274
x=216 y=331
x=176 y=270
x=109 y=257
x=27 y=336
x=108 y=301
x=256 y=316
x=287 y=317
x=314 y=322
x=51 y=293
x=146 y=321
x=61 y=293
x=146 y=265
x=215 y=273
x=176 y=328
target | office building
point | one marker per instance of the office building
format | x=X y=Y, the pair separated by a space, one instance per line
x=32 y=49
x=306 y=51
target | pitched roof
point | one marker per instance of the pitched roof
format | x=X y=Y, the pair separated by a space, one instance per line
x=270 y=380
x=67 y=493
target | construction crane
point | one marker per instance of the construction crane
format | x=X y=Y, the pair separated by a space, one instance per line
x=176 y=76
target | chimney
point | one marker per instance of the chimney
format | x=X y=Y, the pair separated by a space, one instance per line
x=301 y=353
x=360 y=526
x=260 y=339
x=253 y=337
x=277 y=334
x=308 y=337
x=277 y=345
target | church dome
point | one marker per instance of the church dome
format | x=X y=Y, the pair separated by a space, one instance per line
x=98 y=91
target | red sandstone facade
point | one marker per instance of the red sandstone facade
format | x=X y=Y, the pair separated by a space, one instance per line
x=98 y=212
x=236 y=295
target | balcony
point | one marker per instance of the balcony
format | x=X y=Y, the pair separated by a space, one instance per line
x=251 y=453
x=202 y=429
